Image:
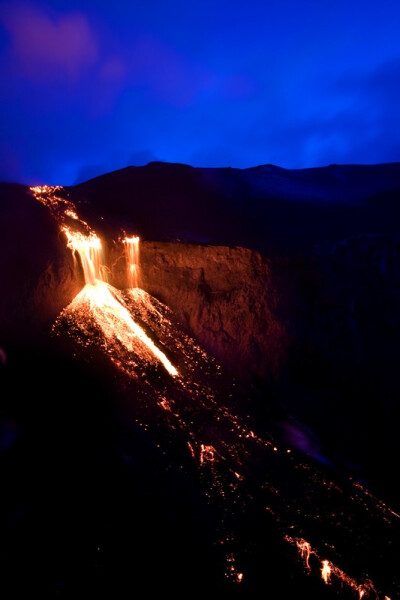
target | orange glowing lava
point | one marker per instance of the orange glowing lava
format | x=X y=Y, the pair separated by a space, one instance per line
x=103 y=305
x=112 y=319
x=132 y=260
x=207 y=454
x=62 y=209
x=88 y=247
x=329 y=570
x=305 y=550
x=72 y=214
x=231 y=571
x=326 y=571
x=98 y=303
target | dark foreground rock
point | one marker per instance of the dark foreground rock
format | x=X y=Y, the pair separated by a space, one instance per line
x=292 y=281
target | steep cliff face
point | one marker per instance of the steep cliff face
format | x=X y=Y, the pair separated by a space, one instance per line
x=340 y=375
x=314 y=320
x=321 y=327
x=37 y=275
x=227 y=298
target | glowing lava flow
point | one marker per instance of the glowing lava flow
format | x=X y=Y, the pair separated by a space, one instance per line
x=305 y=550
x=132 y=260
x=329 y=570
x=240 y=467
x=326 y=571
x=104 y=304
x=89 y=249
x=99 y=305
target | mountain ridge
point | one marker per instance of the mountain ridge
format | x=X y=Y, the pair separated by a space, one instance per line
x=277 y=212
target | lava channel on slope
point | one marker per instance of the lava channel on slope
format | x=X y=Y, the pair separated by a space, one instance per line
x=344 y=536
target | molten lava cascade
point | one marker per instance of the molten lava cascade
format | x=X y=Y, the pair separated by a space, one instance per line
x=88 y=247
x=132 y=261
x=99 y=306
x=242 y=470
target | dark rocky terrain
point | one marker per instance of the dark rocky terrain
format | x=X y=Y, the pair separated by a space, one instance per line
x=291 y=279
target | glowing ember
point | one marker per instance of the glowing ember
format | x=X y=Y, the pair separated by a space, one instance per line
x=72 y=214
x=132 y=260
x=207 y=454
x=329 y=570
x=63 y=210
x=231 y=571
x=191 y=450
x=165 y=404
x=45 y=189
x=326 y=571
x=305 y=549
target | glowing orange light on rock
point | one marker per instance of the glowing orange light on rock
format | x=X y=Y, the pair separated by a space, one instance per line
x=326 y=571
x=305 y=551
x=132 y=260
x=101 y=314
x=97 y=300
x=207 y=454
x=90 y=252
x=103 y=304
x=72 y=214
x=109 y=313
x=330 y=571
x=231 y=571
x=62 y=209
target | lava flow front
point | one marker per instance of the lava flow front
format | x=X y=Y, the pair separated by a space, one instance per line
x=253 y=483
x=100 y=306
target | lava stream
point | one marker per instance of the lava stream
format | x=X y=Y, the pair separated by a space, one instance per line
x=99 y=305
x=99 y=302
x=132 y=261
x=240 y=468
x=329 y=570
x=90 y=252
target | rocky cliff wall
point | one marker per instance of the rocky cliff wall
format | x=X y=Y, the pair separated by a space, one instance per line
x=224 y=296
x=227 y=298
x=323 y=329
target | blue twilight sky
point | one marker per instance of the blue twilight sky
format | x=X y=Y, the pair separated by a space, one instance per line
x=88 y=86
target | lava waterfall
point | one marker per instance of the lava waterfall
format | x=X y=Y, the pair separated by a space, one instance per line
x=170 y=467
x=174 y=386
